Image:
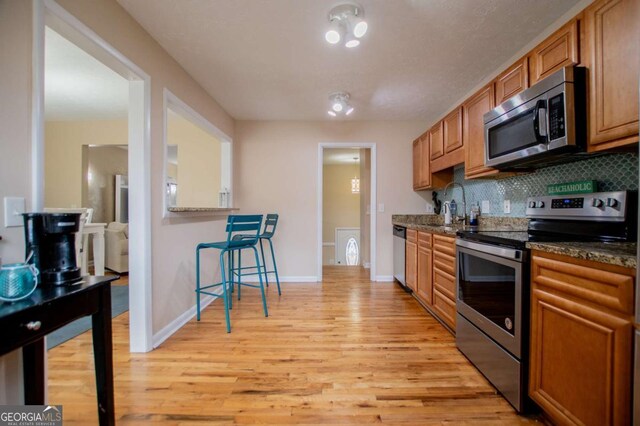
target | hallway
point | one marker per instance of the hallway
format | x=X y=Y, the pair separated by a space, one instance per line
x=344 y=351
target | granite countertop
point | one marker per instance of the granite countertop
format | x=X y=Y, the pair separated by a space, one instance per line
x=620 y=254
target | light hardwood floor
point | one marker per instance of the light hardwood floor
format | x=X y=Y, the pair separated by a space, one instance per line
x=346 y=351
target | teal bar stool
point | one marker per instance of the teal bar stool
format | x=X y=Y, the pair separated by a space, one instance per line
x=269 y=229
x=243 y=232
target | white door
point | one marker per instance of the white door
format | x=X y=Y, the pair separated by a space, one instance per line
x=347 y=246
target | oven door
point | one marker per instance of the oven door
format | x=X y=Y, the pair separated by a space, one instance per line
x=489 y=291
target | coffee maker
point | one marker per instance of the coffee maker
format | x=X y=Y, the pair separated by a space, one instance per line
x=51 y=237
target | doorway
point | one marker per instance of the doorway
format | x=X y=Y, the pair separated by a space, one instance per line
x=346 y=220
x=50 y=16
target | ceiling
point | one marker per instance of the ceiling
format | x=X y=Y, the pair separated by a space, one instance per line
x=78 y=86
x=340 y=156
x=268 y=60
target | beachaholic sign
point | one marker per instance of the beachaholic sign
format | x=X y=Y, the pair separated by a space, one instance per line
x=581 y=187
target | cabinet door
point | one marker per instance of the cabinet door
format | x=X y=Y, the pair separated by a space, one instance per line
x=452 y=127
x=425 y=162
x=411 y=259
x=557 y=51
x=580 y=361
x=425 y=268
x=612 y=54
x=513 y=81
x=473 y=111
x=417 y=164
x=581 y=340
x=436 y=141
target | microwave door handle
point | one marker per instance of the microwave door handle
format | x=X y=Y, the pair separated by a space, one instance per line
x=540 y=126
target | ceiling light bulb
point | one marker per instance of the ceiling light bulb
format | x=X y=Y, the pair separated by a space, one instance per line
x=337 y=107
x=331 y=113
x=349 y=111
x=351 y=41
x=360 y=28
x=332 y=36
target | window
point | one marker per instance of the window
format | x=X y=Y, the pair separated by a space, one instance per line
x=352 y=252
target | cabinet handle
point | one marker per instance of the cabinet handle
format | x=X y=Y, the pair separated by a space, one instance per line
x=33 y=325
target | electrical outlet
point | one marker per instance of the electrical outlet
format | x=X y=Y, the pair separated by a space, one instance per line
x=429 y=208
x=507 y=206
x=381 y=208
x=486 y=207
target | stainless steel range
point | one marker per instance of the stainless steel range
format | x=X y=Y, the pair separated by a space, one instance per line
x=493 y=279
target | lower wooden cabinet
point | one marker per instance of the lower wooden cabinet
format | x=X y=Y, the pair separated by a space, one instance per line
x=581 y=340
x=425 y=268
x=411 y=259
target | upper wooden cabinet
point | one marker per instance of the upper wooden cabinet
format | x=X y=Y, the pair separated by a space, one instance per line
x=512 y=81
x=581 y=340
x=436 y=141
x=473 y=110
x=417 y=169
x=452 y=128
x=612 y=54
x=557 y=51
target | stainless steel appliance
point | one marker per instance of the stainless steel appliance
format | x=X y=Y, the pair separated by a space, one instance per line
x=539 y=126
x=493 y=279
x=399 y=241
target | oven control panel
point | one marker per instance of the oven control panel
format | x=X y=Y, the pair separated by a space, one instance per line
x=605 y=206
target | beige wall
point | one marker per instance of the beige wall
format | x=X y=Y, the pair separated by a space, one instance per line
x=340 y=207
x=99 y=193
x=173 y=240
x=15 y=152
x=63 y=156
x=198 y=170
x=276 y=171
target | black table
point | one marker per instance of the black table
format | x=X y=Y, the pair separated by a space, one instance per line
x=24 y=324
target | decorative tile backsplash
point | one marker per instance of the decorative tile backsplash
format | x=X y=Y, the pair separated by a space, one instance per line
x=613 y=172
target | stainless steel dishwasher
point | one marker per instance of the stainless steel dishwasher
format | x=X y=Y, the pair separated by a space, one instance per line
x=399 y=237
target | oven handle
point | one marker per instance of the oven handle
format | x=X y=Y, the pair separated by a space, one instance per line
x=489 y=249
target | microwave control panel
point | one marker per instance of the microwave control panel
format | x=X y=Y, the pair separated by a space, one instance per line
x=556 y=117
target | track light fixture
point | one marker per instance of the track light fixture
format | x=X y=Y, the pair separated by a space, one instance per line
x=347 y=24
x=339 y=104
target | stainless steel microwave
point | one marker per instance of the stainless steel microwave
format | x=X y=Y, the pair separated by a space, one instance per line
x=541 y=125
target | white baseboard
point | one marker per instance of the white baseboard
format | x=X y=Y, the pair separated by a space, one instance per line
x=179 y=322
x=384 y=278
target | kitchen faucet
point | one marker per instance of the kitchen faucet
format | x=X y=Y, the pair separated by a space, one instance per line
x=459 y=217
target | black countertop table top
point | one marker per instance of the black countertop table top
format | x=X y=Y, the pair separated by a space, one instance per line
x=25 y=323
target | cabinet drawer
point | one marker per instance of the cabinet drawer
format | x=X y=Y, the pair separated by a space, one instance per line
x=445 y=244
x=412 y=235
x=444 y=262
x=445 y=308
x=424 y=239
x=605 y=285
x=445 y=283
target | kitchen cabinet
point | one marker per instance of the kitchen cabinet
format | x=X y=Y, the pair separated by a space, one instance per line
x=512 y=81
x=473 y=110
x=612 y=54
x=452 y=128
x=425 y=268
x=411 y=259
x=444 y=279
x=436 y=141
x=581 y=340
x=558 y=51
x=417 y=166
